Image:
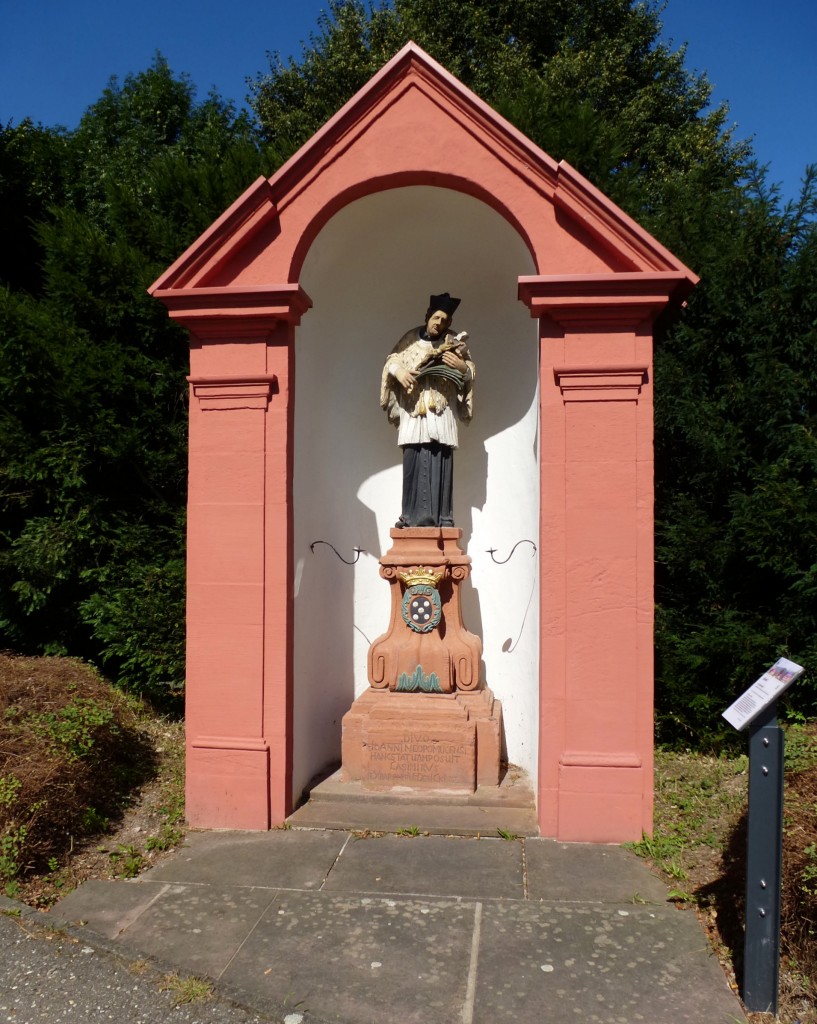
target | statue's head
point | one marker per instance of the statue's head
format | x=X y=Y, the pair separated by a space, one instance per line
x=439 y=314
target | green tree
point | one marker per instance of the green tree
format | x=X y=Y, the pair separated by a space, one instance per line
x=34 y=167
x=592 y=83
x=92 y=372
x=736 y=451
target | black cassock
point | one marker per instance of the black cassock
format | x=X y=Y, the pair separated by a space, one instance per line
x=428 y=477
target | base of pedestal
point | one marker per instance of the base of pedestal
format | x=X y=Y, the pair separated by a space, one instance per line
x=509 y=808
x=423 y=741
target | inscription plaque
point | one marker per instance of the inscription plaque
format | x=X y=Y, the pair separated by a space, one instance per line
x=395 y=755
x=418 y=757
x=422 y=741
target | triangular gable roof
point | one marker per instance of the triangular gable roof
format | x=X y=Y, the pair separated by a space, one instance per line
x=372 y=143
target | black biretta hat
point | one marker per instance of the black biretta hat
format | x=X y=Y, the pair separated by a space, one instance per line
x=444 y=302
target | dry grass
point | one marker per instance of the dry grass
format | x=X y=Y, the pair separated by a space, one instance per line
x=699 y=845
x=799 y=906
x=187 y=989
x=91 y=781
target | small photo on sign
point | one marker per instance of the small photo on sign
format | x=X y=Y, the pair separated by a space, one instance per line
x=785 y=671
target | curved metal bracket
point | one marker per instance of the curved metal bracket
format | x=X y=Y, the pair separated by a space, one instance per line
x=510 y=645
x=492 y=552
x=357 y=551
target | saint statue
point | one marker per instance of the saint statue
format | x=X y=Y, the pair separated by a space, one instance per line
x=427 y=385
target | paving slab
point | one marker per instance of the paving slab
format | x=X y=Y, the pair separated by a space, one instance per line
x=107 y=907
x=581 y=871
x=199 y=927
x=285 y=859
x=436 y=929
x=598 y=965
x=361 y=960
x=430 y=866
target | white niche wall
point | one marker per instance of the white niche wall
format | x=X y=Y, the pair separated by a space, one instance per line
x=369 y=274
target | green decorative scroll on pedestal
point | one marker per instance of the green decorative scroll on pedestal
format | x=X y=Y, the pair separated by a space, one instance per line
x=418 y=680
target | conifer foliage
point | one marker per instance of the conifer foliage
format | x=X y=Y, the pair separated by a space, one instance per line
x=92 y=391
x=736 y=454
x=92 y=372
x=593 y=84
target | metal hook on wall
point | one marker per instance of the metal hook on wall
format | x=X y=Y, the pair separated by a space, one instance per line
x=492 y=552
x=510 y=645
x=357 y=551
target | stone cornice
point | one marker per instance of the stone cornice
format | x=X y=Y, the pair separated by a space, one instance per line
x=600 y=383
x=251 y=743
x=596 y=759
x=231 y=312
x=599 y=301
x=239 y=392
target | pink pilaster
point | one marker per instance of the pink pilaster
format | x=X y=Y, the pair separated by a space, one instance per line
x=596 y=672
x=278 y=611
x=239 y=614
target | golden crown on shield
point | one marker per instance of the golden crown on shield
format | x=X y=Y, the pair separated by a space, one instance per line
x=422 y=576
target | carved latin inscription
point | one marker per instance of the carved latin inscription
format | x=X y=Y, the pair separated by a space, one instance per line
x=416 y=756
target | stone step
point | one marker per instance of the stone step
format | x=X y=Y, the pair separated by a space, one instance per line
x=508 y=807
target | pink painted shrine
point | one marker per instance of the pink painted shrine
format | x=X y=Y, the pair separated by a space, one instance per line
x=418 y=186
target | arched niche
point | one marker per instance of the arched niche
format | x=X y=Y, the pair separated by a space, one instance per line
x=372 y=219
x=369 y=273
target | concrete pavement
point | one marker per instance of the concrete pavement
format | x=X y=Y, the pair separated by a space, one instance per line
x=319 y=925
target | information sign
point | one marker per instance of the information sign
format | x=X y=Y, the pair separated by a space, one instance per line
x=762 y=693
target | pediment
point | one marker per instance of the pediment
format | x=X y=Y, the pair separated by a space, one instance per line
x=415 y=124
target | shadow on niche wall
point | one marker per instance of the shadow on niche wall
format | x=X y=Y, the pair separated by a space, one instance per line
x=370 y=283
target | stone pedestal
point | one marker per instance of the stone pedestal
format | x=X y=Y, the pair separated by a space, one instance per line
x=426 y=723
x=426 y=647
x=423 y=740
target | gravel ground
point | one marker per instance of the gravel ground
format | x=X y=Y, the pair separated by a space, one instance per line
x=48 y=976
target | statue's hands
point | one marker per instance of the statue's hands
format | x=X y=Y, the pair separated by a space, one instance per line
x=404 y=377
x=455 y=361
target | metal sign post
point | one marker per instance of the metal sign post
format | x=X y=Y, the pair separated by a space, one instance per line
x=764 y=856
x=757 y=708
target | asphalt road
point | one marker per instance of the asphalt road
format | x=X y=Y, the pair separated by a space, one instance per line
x=49 y=975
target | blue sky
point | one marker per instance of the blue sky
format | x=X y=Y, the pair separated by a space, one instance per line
x=56 y=57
